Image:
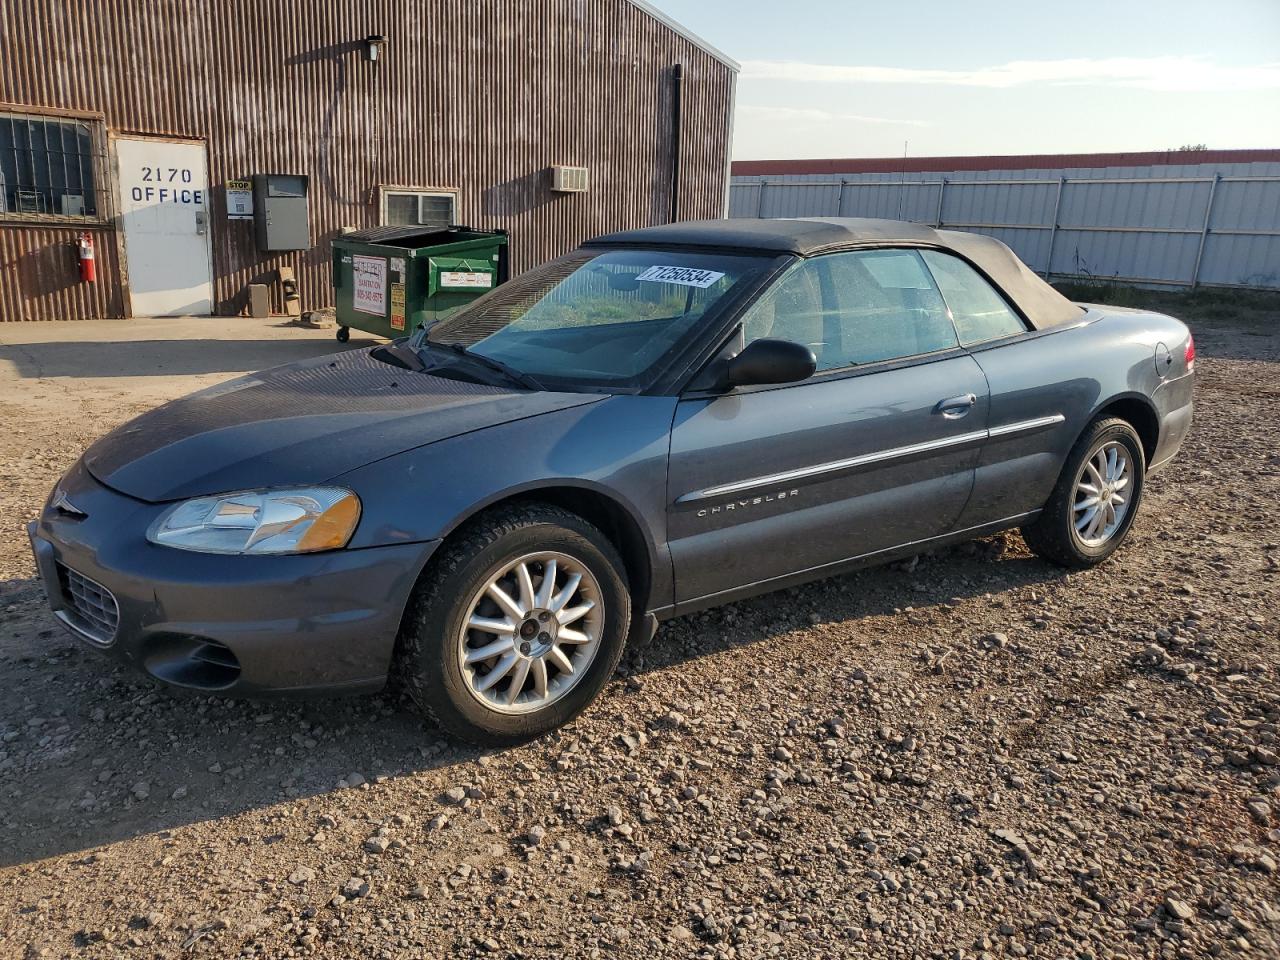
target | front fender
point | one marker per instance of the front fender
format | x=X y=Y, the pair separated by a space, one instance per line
x=617 y=448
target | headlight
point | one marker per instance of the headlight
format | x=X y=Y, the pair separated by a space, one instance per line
x=261 y=521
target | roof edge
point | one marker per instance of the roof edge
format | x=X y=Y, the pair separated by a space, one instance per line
x=810 y=236
x=680 y=28
x=1034 y=161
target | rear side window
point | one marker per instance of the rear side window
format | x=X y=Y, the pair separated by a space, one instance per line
x=856 y=308
x=979 y=312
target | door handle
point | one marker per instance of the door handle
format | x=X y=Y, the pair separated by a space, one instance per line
x=201 y=223
x=956 y=407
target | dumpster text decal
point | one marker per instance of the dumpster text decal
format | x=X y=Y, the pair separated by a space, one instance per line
x=370 y=293
x=460 y=278
x=397 y=306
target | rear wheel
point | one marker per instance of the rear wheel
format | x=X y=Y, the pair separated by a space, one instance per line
x=1095 y=500
x=517 y=625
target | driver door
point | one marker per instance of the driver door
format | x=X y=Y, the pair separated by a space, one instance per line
x=878 y=449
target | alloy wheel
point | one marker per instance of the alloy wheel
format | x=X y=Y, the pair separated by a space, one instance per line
x=1103 y=492
x=530 y=633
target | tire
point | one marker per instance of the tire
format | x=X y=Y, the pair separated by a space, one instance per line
x=1053 y=535
x=453 y=591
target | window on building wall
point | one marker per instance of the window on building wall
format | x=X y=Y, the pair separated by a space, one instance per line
x=427 y=208
x=50 y=168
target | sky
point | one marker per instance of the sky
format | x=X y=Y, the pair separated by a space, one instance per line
x=854 y=78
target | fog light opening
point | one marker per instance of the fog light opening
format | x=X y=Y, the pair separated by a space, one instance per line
x=193 y=662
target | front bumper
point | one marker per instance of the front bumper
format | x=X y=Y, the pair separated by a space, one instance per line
x=315 y=623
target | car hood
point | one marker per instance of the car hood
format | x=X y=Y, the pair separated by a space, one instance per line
x=300 y=423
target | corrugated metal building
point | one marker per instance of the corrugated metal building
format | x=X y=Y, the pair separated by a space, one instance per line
x=1175 y=218
x=143 y=122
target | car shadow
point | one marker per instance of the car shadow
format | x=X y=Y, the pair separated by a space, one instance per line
x=92 y=753
x=163 y=358
x=922 y=587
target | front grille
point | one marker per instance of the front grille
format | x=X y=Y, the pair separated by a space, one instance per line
x=91 y=608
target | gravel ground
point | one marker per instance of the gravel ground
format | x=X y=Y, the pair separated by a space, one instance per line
x=969 y=754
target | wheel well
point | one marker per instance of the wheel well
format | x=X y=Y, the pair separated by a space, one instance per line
x=1141 y=417
x=607 y=516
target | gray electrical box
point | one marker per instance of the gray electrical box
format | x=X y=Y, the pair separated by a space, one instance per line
x=280 y=212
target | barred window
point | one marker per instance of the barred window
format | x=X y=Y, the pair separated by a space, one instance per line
x=50 y=168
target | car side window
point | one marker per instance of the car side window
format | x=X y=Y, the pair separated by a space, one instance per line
x=856 y=308
x=978 y=310
x=790 y=310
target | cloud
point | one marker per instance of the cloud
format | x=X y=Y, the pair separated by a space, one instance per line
x=811 y=115
x=1167 y=74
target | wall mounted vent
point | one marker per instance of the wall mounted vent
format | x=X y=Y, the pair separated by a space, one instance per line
x=569 y=179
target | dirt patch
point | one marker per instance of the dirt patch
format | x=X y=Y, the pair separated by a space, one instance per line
x=972 y=753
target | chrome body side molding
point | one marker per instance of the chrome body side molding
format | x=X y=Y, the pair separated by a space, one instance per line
x=1026 y=426
x=869 y=459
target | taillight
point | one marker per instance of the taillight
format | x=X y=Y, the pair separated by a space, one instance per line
x=1191 y=352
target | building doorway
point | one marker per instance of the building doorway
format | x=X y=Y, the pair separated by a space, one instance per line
x=163 y=194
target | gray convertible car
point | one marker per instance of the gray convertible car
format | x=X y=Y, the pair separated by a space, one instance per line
x=663 y=420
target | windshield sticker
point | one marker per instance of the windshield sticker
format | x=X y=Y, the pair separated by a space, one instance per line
x=683 y=276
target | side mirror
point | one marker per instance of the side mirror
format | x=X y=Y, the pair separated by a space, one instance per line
x=771 y=361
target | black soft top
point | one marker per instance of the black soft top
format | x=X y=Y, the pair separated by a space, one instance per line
x=805 y=237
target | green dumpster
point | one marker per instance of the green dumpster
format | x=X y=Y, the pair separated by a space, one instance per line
x=391 y=280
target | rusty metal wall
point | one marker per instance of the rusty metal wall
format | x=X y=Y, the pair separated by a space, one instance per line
x=40 y=275
x=480 y=96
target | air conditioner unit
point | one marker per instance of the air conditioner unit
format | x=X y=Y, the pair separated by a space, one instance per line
x=569 y=179
x=71 y=204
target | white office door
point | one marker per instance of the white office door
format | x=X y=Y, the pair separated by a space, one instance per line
x=164 y=211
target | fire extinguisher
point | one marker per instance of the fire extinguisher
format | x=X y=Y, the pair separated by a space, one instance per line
x=88 y=269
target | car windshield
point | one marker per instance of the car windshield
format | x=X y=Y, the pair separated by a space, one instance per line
x=595 y=318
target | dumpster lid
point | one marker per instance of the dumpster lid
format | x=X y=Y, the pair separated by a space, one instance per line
x=418 y=236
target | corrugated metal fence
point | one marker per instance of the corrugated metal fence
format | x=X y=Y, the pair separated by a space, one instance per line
x=1176 y=225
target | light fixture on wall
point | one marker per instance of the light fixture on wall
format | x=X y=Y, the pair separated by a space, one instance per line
x=372 y=46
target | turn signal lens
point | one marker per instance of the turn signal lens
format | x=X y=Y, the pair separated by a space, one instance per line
x=333 y=528
x=305 y=520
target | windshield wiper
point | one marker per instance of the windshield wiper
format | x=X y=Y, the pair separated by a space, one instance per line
x=511 y=373
x=399 y=355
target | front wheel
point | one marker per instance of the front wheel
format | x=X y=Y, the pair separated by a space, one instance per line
x=516 y=626
x=1095 y=500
